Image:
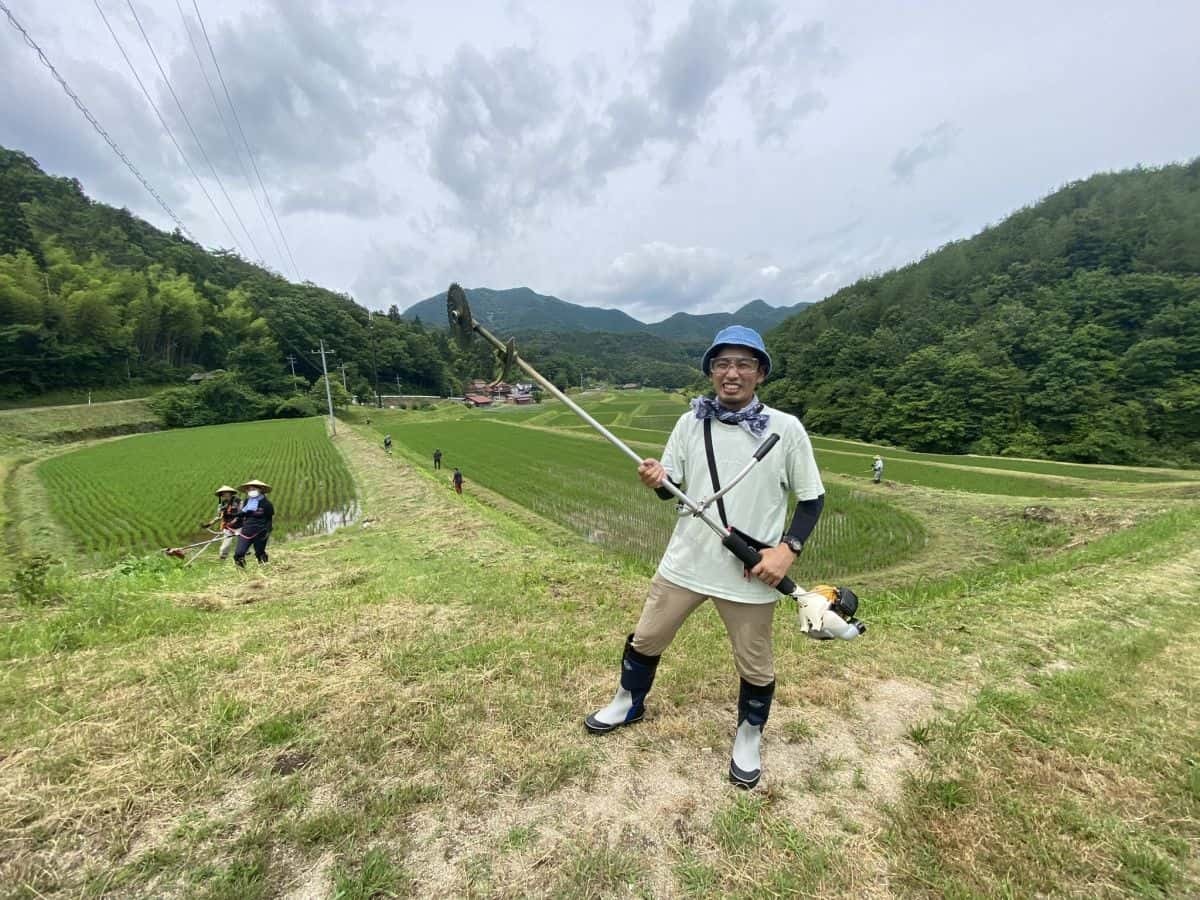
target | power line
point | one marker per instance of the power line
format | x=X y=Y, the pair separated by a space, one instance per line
x=228 y=133
x=195 y=136
x=165 y=126
x=241 y=131
x=96 y=125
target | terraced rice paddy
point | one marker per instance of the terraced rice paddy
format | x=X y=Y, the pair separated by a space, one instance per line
x=150 y=491
x=589 y=487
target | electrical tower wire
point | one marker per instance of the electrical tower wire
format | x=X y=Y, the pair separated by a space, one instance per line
x=228 y=132
x=195 y=136
x=96 y=125
x=166 y=127
x=242 y=132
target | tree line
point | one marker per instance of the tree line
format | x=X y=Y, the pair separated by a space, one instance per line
x=92 y=296
x=1069 y=331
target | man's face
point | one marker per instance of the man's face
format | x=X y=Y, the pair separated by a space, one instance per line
x=735 y=374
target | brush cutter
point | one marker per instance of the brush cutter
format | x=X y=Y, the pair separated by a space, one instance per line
x=199 y=547
x=817 y=611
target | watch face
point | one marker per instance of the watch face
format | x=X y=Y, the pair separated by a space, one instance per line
x=793 y=544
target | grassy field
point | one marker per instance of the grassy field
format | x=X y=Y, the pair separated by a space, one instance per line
x=150 y=491
x=84 y=397
x=395 y=710
x=64 y=424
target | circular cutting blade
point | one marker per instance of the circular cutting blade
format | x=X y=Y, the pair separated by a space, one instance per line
x=458 y=311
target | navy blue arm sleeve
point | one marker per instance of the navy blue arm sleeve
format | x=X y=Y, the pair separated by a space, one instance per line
x=664 y=494
x=805 y=518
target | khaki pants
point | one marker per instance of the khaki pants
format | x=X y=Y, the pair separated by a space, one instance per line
x=230 y=537
x=748 y=626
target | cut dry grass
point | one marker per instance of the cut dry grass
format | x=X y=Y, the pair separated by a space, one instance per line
x=397 y=709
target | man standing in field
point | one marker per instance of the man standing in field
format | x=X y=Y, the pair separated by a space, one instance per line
x=387 y=444
x=229 y=507
x=437 y=458
x=877 y=469
x=257 y=517
x=711 y=443
x=457 y=480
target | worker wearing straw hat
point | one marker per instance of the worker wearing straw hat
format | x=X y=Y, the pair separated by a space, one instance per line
x=255 y=520
x=229 y=507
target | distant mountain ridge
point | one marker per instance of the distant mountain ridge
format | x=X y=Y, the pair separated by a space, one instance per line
x=523 y=309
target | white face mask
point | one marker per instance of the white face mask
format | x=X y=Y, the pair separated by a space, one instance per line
x=252 y=493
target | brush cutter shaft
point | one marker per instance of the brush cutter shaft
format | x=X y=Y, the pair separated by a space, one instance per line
x=762 y=451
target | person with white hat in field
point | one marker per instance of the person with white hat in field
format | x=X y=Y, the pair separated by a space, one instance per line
x=229 y=507
x=710 y=445
x=877 y=469
x=255 y=520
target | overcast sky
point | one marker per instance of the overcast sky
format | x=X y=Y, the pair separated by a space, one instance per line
x=653 y=157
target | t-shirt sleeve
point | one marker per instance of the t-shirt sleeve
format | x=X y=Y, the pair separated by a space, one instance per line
x=674 y=456
x=804 y=480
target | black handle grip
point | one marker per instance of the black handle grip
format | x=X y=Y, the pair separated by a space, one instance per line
x=766 y=446
x=751 y=558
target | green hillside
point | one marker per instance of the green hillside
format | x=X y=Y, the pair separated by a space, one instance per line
x=1071 y=331
x=93 y=296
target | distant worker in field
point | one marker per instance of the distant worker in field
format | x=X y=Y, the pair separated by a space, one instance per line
x=387 y=444
x=229 y=507
x=712 y=443
x=877 y=469
x=437 y=459
x=255 y=521
x=457 y=480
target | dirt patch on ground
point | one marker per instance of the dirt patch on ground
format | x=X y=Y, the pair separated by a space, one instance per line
x=657 y=795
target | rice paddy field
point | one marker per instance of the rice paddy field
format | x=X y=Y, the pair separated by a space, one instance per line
x=150 y=491
x=587 y=486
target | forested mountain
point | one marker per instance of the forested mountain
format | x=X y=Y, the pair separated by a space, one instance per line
x=521 y=309
x=756 y=314
x=518 y=309
x=566 y=358
x=91 y=295
x=1070 y=330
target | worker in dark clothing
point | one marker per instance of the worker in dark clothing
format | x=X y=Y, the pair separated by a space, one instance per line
x=437 y=459
x=387 y=444
x=457 y=479
x=229 y=507
x=256 y=519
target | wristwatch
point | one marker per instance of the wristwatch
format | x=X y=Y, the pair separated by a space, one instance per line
x=792 y=543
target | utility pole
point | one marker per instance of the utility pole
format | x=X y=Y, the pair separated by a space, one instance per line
x=292 y=362
x=374 y=361
x=343 y=368
x=328 y=393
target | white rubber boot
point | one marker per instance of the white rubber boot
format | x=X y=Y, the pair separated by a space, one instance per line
x=628 y=703
x=614 y=715
x=745 y=763
x=754 y=706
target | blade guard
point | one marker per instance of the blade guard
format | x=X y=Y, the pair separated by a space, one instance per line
x=506 y=360
x=458 y=312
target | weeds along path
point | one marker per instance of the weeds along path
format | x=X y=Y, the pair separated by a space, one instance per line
x=397 y=707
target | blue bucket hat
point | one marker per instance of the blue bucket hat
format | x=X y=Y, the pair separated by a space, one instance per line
x=739 y=336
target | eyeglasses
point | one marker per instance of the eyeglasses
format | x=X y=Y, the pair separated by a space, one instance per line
x=744 y=365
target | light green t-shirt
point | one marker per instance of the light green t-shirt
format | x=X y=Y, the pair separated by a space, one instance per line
x=758 y=505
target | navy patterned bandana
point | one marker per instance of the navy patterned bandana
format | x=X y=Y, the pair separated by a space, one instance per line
x=749 y=417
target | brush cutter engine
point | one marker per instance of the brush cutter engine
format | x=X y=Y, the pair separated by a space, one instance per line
x=827 y=612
